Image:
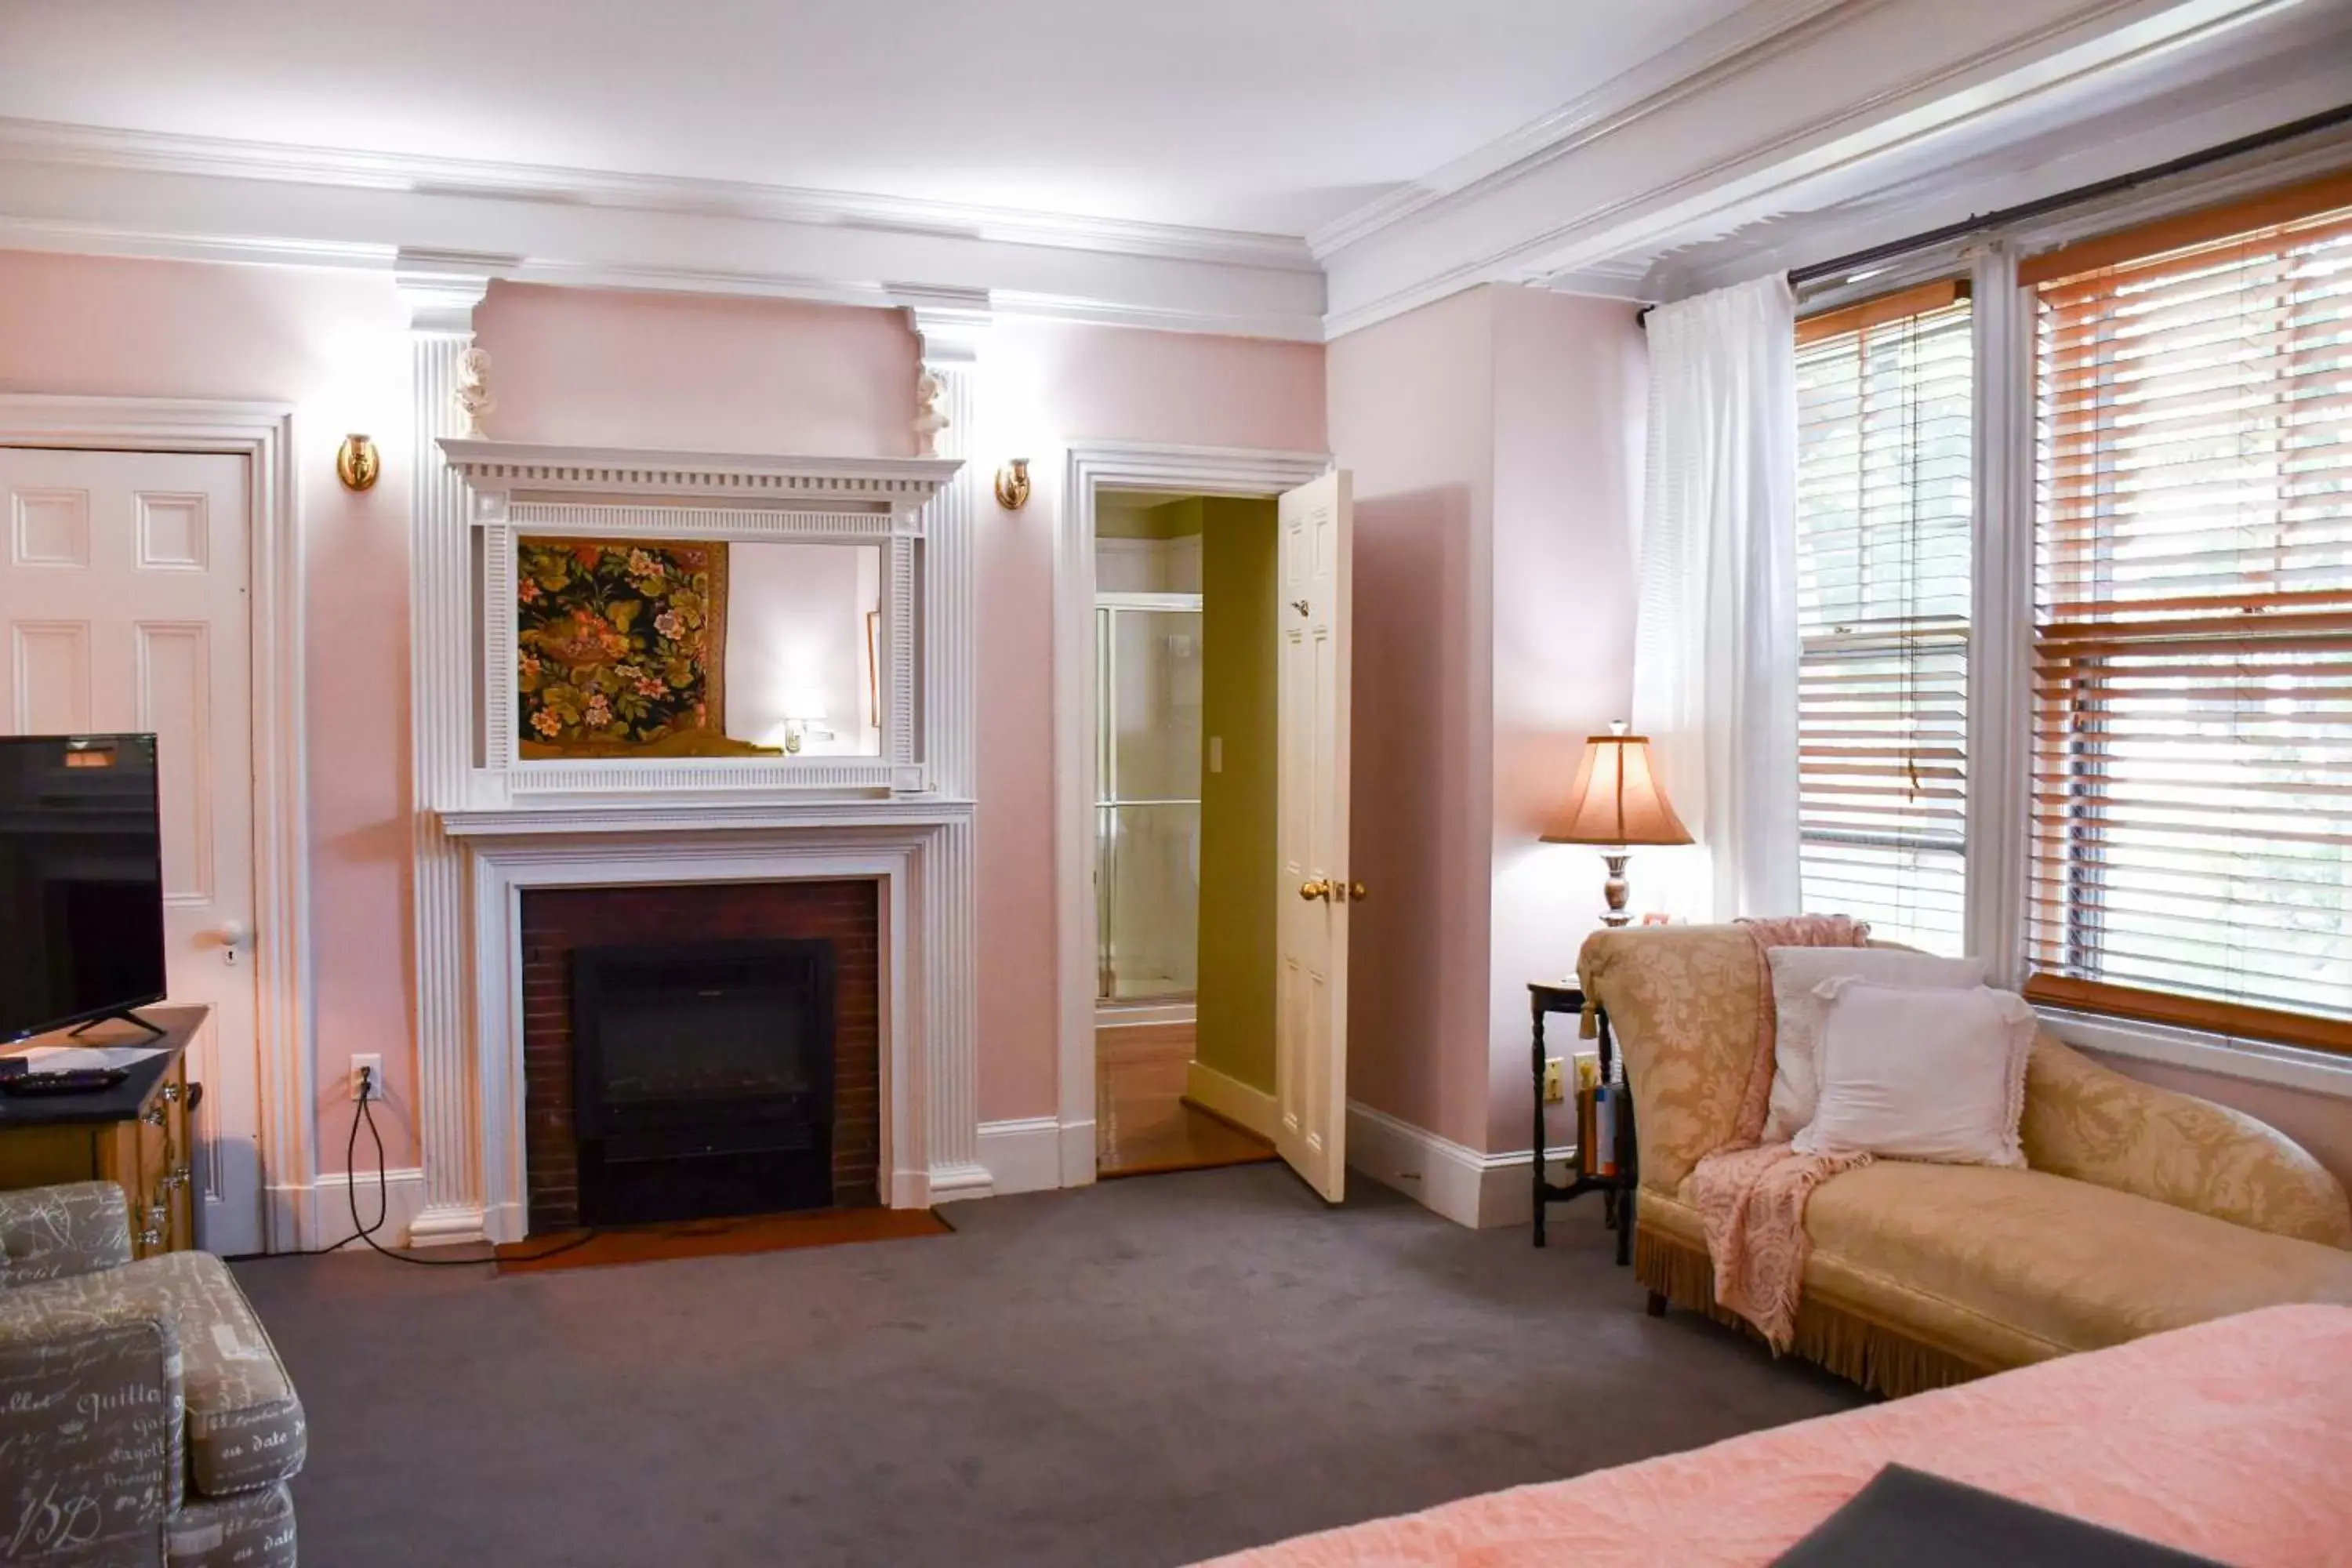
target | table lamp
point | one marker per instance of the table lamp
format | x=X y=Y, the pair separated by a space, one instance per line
x=1616 y=802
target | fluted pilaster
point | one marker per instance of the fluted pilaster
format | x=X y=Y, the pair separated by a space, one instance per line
x=441 y=304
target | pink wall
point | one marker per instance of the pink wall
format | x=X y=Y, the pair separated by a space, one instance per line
x=701 y=372
x=1496 y=442
x=335 y=346
x=1413 y=414
x=1569 y=387
x=646 y=370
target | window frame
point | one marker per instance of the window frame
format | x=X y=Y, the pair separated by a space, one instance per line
x=1951 y=286
x=2001 y=629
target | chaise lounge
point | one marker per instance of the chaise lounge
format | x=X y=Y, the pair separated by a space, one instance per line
x=2142 y=1210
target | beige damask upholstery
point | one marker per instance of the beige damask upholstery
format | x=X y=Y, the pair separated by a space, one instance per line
x=2141 y=1210
x=144 y=1415
x=2086 y=1122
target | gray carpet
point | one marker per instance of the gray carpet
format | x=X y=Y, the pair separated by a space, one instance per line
x=1147 y=1371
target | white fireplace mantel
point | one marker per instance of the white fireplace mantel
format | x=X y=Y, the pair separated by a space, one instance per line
x=491 y=830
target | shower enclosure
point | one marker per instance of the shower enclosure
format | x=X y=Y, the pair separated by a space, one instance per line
x=1147 y=796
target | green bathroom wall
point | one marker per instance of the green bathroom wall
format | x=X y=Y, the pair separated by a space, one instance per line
x=1235 y=1005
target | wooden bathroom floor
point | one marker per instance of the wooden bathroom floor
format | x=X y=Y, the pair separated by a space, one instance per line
x=1142 y=1126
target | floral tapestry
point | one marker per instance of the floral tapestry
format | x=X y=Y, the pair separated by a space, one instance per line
x=620 y=647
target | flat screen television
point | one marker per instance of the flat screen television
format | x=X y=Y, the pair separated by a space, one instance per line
x=81 y=880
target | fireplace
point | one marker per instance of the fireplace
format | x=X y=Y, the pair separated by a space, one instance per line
x=702 y=1079
x=694 y=1050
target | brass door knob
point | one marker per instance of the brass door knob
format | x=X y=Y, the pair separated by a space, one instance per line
x=1318 y=888
x=1358 y=892
x=171 y=1094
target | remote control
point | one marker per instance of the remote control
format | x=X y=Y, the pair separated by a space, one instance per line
x=77 y=1080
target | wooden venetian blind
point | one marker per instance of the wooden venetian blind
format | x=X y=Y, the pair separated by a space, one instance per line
x=1884 y=410
x=2191 y=856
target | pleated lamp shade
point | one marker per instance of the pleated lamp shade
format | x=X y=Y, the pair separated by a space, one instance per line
x=1616 y=798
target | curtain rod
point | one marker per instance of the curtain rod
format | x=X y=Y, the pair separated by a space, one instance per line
x=2324 y=121
x=2080 y=194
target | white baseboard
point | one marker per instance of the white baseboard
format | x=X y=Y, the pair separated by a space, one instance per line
x=327 y=1206
x=1507 y=1194
x=1024 y=1156
x=1484 y=1191
x=1079 y=1154
x=1224 y=1095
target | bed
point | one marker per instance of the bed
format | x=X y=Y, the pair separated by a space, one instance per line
x=2233 y=1438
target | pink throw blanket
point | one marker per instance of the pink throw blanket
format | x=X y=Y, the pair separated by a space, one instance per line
x=1751 y=1198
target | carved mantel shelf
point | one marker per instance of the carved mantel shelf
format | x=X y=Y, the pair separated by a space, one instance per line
x=895 y=484
x=704 y=816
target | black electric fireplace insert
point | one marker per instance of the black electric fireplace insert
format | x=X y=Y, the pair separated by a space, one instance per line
x=703 y=1079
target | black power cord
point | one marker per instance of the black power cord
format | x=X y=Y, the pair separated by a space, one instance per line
x=383 y=1201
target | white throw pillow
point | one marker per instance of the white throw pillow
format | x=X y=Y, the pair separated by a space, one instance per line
x=1922 y=1074
x=1797 y=977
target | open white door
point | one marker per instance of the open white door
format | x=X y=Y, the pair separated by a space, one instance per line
x=1310 y=1070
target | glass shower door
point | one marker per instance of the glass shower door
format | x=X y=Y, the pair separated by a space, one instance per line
x=1148 y=803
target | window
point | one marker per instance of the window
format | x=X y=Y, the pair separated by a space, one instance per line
x=2191 y=776
x=1884 y=404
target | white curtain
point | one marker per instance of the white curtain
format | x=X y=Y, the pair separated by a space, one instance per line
x=1715 y=652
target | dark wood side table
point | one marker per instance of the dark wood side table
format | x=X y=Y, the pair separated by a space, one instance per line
x=135 y=1134
x=1616 y=1192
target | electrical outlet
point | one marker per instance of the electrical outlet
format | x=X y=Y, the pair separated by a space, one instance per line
x=367 y=1070
x=1555 y=1079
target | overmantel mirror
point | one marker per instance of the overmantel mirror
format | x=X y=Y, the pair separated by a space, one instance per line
x=671 y=632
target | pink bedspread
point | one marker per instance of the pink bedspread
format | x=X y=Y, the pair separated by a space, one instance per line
x=2233 y=1438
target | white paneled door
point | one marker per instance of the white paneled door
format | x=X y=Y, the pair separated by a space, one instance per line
x=125 y=608
x=1310 y=1070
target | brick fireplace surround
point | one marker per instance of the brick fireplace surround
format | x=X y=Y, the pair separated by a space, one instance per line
x=846 y=912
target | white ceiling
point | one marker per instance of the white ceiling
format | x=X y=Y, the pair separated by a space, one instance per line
x=1267 y=115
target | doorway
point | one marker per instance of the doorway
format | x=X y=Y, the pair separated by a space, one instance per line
x=1263 y=1060
x=127 y=608
x=1183 y=994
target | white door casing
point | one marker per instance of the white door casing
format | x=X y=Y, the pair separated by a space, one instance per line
x=1311 y=1072
x=126 y=603
x=1091 y=468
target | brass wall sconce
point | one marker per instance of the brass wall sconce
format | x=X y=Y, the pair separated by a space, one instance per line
x=357 y=463
x=1013 y=485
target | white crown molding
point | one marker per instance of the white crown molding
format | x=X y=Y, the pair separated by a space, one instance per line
x=1296 y=320
x=90 y=191
x=1727 y=46
x=2195 y=104
x=144 y=151
x=1736 y=125
x=1847 y=84
x=441 y=289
